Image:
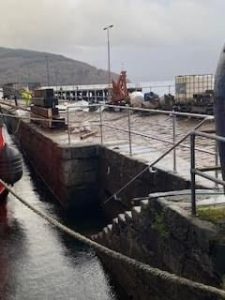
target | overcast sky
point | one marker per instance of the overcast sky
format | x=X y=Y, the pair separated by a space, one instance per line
x=151 y=39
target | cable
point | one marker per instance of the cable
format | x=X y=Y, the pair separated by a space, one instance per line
x=163 y=275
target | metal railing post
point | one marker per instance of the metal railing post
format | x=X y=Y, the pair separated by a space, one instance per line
x=129 y=133
x=193 y=194
x=101 y=125
x=174 y=142
x=68 y=124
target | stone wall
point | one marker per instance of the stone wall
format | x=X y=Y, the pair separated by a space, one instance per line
x=160 y=233
x=115 y=170
x=69 y=172
x=79 y=175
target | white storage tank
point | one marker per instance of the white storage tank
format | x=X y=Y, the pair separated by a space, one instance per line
x=136 y=99
x=188 y=85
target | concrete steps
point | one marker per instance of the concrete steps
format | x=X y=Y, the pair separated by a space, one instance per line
x=144 y=204
x=121 y=221
x=110 y=226
x=121 y=218
x=136 y=211
x=128 y=216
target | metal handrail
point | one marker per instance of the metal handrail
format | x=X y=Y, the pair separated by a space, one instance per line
x=200 y=172
x=173 y=114
x=156 y=138
x=175 y=144
x=156 y=161
x=138 y=109
x=160 y=111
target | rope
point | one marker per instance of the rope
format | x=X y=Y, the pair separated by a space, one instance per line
x=163 y=275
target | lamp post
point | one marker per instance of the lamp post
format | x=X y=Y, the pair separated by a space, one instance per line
x=108 y=45
x=47 y=70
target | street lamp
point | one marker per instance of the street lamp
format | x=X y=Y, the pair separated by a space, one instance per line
x=108 y=44
x=47 y=70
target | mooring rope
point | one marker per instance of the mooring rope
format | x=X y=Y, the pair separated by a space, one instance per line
x=163 y=275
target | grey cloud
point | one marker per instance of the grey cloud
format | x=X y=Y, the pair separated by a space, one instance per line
x=142 y=28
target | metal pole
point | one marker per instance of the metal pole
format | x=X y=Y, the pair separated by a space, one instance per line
x=216 y=162
x=68 y=124
x=101 y=125
x=77 y=93
x=193 y=194
x=47 y=70
x=174 y=142
x=109 y=67
x=129 y=133
x=108 y=42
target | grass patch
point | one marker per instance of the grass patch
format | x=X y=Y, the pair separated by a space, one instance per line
x=212 y=214
x=160 y=226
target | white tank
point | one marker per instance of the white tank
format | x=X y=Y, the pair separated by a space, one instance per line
x=136 y=99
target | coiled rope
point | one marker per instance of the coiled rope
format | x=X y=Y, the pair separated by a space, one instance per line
x=163 y=275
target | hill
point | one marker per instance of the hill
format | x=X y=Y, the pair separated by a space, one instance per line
x=18 y=65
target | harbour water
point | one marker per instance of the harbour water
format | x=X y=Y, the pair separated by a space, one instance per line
x=37 y=261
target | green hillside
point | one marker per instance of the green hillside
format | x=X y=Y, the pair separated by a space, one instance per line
x=18 y=65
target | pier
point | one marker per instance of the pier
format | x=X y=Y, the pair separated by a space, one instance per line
x=147 y=200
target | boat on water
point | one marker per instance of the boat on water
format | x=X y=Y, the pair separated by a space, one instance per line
x=11 y=168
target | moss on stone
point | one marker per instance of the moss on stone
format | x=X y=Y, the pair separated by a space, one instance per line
x=213 y=214
x=160 y=226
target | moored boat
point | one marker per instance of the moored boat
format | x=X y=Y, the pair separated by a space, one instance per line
x=11 y=169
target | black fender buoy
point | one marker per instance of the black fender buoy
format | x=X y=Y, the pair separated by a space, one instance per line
x=11 y=166
x=219 y=107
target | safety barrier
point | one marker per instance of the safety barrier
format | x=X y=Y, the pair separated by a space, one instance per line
x=201 y=171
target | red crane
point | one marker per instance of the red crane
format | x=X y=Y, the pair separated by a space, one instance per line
x=120 y=94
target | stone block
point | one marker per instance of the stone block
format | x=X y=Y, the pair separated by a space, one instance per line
x=84 y=151
x=65 y=153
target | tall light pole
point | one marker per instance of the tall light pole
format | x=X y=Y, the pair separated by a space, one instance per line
x=47 y=70
x=109 y=71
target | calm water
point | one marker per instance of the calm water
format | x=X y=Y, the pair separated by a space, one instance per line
x=39 y=262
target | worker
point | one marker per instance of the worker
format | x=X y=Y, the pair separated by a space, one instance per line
x=27 y=97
